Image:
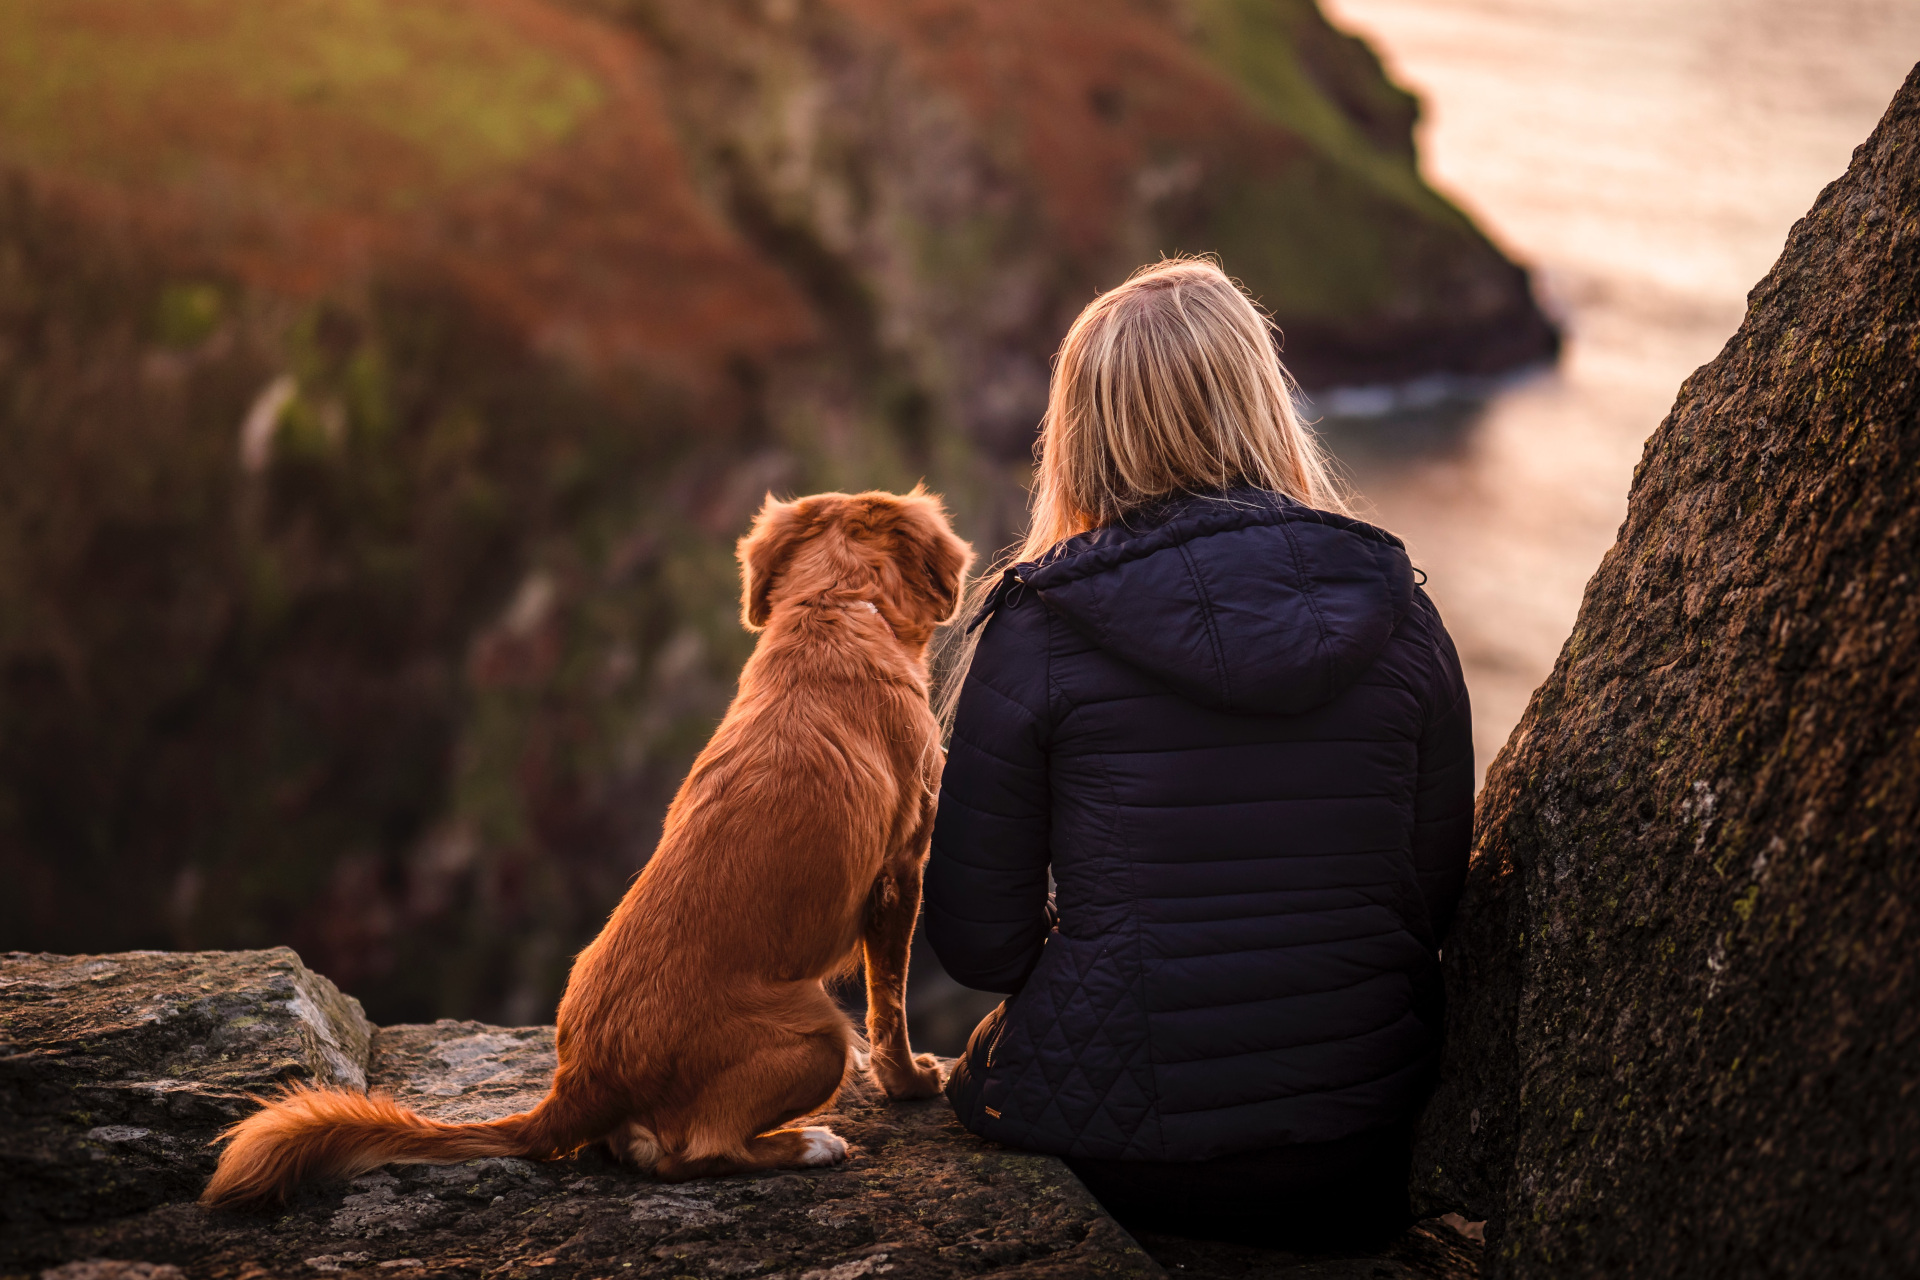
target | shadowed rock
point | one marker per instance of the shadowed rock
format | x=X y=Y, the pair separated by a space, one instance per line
x=1432 y=1250
x=1684 y=1018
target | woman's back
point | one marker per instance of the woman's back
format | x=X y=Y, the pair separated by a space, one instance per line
x=1236 y=732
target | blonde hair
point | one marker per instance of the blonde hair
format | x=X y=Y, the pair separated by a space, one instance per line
x=1169 y=383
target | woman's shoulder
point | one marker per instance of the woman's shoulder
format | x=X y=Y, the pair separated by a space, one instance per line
x=1012 y=656
x=1015 y=633
x=1431 y=662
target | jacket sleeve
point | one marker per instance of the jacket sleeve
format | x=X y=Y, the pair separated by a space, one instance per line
x=987 y=910
x=1443 y=798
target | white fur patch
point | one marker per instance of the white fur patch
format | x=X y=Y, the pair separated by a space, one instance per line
x=635 y=1142
x=821 y=1146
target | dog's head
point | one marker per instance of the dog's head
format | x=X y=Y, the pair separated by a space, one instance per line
x=896 y=550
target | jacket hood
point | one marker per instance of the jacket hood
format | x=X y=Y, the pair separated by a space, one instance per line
x=1240 y=601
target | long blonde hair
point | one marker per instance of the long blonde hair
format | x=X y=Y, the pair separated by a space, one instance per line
x=1169 y=383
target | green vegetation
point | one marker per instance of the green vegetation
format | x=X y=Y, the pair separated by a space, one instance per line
x=356 y=100
x=186 y=314
x=1334 y=259
x=1336 y=233
x=1324 y=87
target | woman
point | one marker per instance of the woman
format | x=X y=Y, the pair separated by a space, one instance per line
x=1218 y=710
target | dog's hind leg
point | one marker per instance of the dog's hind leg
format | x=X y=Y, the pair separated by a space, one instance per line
x=796 y=1148
x=735 y=1125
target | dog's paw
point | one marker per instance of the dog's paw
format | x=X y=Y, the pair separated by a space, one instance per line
x=821 y=1146
x=921 y=1079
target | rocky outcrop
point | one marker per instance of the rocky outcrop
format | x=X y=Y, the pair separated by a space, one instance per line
x=118 y=1070
x=1685 y=1013
x=376 y=427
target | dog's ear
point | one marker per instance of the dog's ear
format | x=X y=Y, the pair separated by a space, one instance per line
x=934 y=551
x=776 y=531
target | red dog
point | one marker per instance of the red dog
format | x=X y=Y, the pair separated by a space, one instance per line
x=695 y=1027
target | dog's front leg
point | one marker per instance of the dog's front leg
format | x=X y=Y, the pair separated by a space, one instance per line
x=892 y=908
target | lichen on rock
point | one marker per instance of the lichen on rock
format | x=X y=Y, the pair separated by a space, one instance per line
x=117 y=1071
x=1684 y=1008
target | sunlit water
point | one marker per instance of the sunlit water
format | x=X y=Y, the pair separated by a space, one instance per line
x=1647 y=157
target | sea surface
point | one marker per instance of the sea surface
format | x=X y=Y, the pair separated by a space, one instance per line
x=1646 y=158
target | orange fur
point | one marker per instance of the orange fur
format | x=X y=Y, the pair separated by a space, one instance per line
x=695 y=1028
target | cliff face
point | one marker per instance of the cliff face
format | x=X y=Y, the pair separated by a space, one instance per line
x=381 y=389
x=1684 y=1002
x=961 y=177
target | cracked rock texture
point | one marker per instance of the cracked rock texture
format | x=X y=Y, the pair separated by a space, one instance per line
x=116 y=1071
x=1682 y=1037
x=121 y=1068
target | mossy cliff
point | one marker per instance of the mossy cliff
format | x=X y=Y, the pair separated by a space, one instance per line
x=381 y=388
x=962 y=177
x=1684 y=1010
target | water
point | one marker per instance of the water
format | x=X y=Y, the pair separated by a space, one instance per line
x=1647 y=157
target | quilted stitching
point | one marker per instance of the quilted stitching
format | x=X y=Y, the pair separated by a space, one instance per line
x=1189 y=916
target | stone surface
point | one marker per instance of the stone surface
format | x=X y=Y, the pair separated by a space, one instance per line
x=920 y=1198
x=1684 y=1015
x=112 y=1269
x=116 y=1071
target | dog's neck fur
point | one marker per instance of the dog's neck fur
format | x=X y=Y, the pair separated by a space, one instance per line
x=826 y=637
x=867 y=605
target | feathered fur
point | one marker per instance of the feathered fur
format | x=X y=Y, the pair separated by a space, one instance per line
x=318 y=1133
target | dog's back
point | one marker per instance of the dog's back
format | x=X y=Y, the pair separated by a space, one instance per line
x=779 y=830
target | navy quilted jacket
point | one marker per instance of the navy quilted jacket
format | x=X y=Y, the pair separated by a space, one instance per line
x=1236 y=734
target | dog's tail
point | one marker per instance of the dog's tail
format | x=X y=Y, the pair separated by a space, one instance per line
x=310 y=1132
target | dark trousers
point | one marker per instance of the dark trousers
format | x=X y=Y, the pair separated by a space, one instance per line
x=1308 y=1195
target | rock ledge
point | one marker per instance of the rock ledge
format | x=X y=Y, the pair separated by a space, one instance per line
x=118 y=1071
